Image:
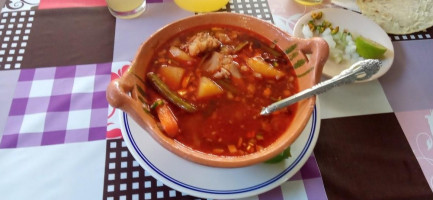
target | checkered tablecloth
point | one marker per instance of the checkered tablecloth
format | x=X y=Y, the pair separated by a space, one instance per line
x=57 y=105
x=59 y=138
x=14 y=33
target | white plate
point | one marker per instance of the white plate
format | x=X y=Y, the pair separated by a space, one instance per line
x=349 y=4
x=217 y=183
x=357 y=24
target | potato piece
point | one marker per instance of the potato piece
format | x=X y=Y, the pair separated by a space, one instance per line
x=208 y=88
x=179 y=54
x=258 y=65
x=172 y=75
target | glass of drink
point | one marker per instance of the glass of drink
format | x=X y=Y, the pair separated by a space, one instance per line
x=309 y=2
x=126 y=9
x=201 y=6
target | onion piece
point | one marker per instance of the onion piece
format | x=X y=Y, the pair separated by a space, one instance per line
x=179 y=54
x=213 y=63
x=234 y=70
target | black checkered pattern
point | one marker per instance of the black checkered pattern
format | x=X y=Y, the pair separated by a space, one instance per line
x=422 y=35
x=125 y=179
x=14 y=33
x=257 y=8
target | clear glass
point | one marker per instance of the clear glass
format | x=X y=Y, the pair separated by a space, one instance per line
x=126 y=9
x=201 y=6
x=309 y=2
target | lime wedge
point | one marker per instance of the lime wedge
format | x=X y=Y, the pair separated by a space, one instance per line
x=368 y=48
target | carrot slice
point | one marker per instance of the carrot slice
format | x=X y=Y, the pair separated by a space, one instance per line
x=168 y=120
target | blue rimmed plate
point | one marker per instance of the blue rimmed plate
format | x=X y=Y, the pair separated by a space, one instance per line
x=216 y=183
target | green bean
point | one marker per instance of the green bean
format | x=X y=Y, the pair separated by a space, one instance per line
x=171 y=96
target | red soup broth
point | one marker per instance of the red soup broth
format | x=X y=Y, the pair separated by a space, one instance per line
x=219 y=69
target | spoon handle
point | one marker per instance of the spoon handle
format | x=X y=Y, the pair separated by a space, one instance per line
x=359 y=71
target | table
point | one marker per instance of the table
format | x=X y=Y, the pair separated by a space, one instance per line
x=61 y=140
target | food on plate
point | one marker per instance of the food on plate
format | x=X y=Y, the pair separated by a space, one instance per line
x=368 y=48
x=399 y=17
x=343 y=48
x=207 y=86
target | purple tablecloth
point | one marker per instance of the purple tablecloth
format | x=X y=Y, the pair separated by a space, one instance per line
x=59 y=138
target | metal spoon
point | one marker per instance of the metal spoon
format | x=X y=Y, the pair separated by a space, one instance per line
x=359 y=71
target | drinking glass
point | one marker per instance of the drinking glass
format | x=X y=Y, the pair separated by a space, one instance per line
x=309 y=2
x=126 y=9
x=201 y=6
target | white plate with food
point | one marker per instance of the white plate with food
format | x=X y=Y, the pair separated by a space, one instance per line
x=211 y=182
x=356 y=37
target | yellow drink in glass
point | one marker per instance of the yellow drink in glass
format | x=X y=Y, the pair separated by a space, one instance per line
x=309 y=2
x=126 y=9
x=201 y=5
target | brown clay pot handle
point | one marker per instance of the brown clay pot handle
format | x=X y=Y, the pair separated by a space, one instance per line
x=121 y=94
x=118 y=93
x=319 y=50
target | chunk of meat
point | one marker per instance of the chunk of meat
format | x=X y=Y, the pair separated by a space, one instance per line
x=224 y=38
x=222 y=66
x=222 y=73
x=227 y=67
x=202 y=42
